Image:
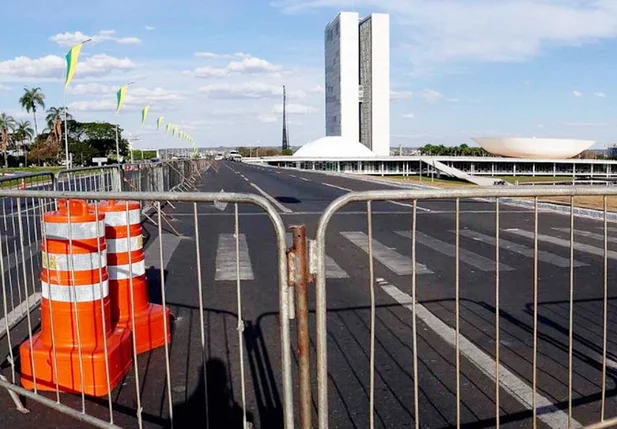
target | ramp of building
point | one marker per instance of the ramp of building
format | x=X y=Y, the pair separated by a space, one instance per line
x=461 y=175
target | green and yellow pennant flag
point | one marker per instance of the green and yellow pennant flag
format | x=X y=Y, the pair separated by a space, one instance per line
x=71 y=63
x=173 y=133
x=169 y=125
x=121 y=95
x=159 y=121
x=144 y=114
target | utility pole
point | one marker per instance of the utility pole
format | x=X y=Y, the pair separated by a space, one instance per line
x=285 y=139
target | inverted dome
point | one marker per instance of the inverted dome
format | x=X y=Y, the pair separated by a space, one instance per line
x=534 y=148
x=334 y=147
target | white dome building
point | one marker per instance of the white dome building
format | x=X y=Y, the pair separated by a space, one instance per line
x=334 y=147
x=534 y=148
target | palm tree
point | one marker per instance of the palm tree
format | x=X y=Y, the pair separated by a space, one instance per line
x=7 y=125
x=24 y=134
x=30 y=100
x=54 y=114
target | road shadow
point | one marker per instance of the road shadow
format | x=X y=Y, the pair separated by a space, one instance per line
x=153 y=279
x=211 y=405
x=288 y=200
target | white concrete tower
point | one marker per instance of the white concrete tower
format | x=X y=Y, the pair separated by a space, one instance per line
x=375 y=83
x=343 y=77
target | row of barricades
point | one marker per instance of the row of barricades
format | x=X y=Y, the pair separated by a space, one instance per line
x=93 y=264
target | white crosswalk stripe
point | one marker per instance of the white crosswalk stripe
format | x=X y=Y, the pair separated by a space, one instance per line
x=528 y=252
x=399 y=264
x=592 y=235
x=333 y=270
x=465 y=256
x=586 y=248
x=226 y=258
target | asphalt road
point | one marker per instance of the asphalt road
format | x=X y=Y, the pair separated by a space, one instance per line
x=301 y=198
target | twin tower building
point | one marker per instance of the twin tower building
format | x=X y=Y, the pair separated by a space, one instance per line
x=358 y=80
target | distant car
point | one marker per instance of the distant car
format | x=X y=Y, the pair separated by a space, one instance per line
x=218 y=157
x=155 y=160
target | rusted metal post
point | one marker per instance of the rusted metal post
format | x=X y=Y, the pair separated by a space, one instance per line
x=301 y=281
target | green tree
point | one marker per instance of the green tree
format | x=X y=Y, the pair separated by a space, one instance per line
x=7 y=126
x=100 y=136
x=46 y=149
x=32 y=98
x=287 y=152
x=54 y=114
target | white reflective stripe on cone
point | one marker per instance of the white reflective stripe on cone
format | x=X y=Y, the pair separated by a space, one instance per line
x=120 y=245
x=120 y=219
x=79 y=262
x=122 y=272
x=77 y=293
x=79 y=230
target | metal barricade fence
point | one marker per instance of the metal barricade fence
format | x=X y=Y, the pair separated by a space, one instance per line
x=93 y=179
x=533 y=349
x=185 y=293
x=20 y=239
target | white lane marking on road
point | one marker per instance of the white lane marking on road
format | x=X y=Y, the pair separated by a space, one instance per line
x=226 y=258
x=170 y=244
x=588 y=234
x=528 y=252
x=291 y=175
x=399 y=264
x=19 y=312
x=246 y=179
x=564 y=243
x=333 y=270
x=336 y=187
x=465 y=256
x=305 y=179
x=398 y=203
x=510 y=382
x=280 y=206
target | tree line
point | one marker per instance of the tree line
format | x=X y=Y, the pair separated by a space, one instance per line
x=461 y=150
x=85 y=139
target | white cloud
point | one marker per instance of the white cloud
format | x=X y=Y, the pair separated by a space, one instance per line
x=52 y=66
x=135 y=99
x=93 y=106
x=408 y=116
x=248 y=65
x=268 y=118
x=150 y=28
x=577 y=93
x=400 y=95
x=431 y=96
x=486 y=31
x=212 y=55
x=247 y=90
x=70 y=39
x=600 y=94
x=208 y=72
x=4 y=87
x=252 y=65
x=294 y=109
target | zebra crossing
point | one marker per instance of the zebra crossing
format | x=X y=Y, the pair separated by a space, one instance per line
x=234 y=257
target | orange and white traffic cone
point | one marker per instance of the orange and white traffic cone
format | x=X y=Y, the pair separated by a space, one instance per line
x=127 y=269
x=22 y=185
x=75 y=297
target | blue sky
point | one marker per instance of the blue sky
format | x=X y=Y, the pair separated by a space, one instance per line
x=460 y=68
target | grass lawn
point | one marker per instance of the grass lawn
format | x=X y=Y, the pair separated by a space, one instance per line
x=590 y=202
x=426 y=181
